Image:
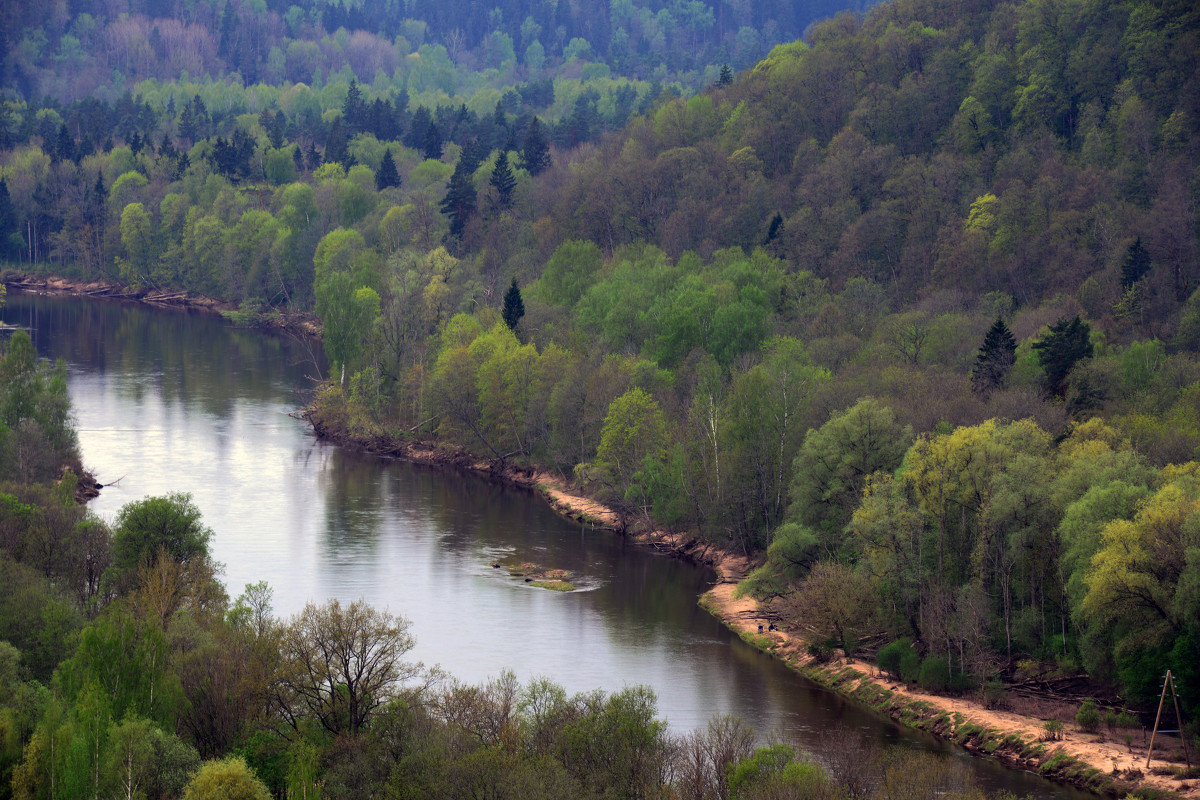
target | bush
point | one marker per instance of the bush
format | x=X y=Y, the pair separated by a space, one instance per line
x=900 y=660
x=935 y=674
x=1127 y=720
x=1054 y=731
x=1088 y=717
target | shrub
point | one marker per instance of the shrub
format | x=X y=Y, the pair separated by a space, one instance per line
x=935 y=674
x=1127 y=720
x=1054 y=730
x=900 y=660
x=1088 y=717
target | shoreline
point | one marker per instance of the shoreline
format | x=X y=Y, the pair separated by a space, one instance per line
x=1087 y=761
x=289 y=322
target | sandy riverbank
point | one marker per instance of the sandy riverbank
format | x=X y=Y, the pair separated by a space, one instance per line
x=1100 y=761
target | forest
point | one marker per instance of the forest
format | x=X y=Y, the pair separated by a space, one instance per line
x=908 y=309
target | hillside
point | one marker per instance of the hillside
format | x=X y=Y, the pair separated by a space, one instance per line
x=908 y=310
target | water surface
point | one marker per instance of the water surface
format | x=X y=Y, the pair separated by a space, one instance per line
x=181 y=401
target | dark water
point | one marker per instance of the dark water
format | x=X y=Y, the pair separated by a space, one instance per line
x=177 y=401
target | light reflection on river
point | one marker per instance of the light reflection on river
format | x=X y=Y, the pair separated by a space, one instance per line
x=175 y=401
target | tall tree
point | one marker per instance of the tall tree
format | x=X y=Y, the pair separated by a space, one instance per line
x=460 y=201
x=502 y=179
x=1136 y=264
x=995 y=358
x=387 y=177
x=535 y=152
x=514 y=307
x=1067 y=343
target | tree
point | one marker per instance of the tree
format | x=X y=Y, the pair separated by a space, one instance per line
x=1136 y=264
x=502 y=179
x=342 y=663
x=725 y=77
x=836 y=460
x=387 y=177
x=835 y=602
x=226 y=779
x=514 y=307
x=535 y=152
x=459 y=203
x=996 y=357
x=1067 y=343
x=171 y=523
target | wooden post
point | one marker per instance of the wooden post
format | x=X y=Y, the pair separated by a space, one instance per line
x=1169 y=680
x=1179 y=722
x=1158 y=716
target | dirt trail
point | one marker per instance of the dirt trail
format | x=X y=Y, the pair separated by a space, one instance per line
x=744 y=615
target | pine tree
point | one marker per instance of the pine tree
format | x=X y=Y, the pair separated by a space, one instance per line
x=502 y=179
x=1137 y=264
x=996 y=357
x=459 y=203
x=354 y=109
x=726 y=76
x=432 y=145
x=337 y=145
x=514 y=307
x=1068 y=342
x=536 y=151
x=387 y=177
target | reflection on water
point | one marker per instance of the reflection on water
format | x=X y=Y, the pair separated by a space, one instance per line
x=175 y=401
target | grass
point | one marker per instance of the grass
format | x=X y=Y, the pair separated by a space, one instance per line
x=555 y=586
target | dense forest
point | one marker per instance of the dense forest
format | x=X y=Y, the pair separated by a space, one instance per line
x=126 y=671
x=909 y=309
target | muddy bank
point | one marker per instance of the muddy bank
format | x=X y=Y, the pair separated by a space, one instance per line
x=296 y=323
x=1088 y=761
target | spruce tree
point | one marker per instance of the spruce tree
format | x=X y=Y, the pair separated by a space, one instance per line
x=337 y=145
x=387 y=176
x=460 y=200
x=432 y=145
x=1137 y=264
x=1068 y=342
x=536 y=151
x=726 y=76
x=502 y=179
x=996 y=357
x=514 y=307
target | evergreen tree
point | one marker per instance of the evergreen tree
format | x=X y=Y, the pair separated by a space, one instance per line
x=354 y=109
x=8 y=222
x=726 y=76
x=514 y=307
x=337 y=145
x=298 y=159
x=312 y=159
x=1137 y=264
x=459 y=203
x=536 y=151
x=1067 y=343
x=418 y=129
x=995 y=358
x=431 y=147
x=387 y=176
x=502 y=179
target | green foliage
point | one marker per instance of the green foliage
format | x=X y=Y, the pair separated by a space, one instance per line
x=170 y=525
x=514 y=307
x=1067 y=343
x=900 y=660
x=935 y=674
x=1088 y=717
x=226 y=779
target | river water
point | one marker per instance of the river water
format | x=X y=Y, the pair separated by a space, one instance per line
x=171 y=401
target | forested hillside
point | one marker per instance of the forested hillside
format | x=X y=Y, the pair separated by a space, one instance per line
x=910 y=307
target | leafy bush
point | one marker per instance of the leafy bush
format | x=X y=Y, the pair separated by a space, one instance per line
x=935 y=674
x=1088 y=717
x=1127 y=720
x=1054 y=730
x=900 y=660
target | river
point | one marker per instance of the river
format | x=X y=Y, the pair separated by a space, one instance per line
x=170 y=400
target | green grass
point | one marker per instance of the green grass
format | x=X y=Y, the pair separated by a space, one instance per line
x=555 y=586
